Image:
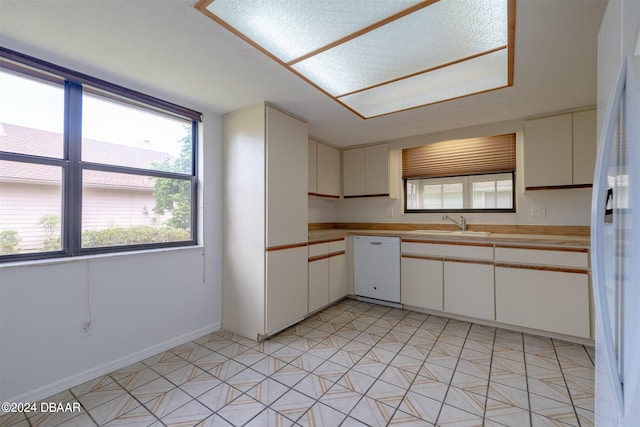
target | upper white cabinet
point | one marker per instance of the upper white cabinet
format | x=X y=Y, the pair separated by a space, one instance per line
x=324 y=170
x=313 y=168
x=559 y=151
x=264 y=276
x=366 y=171
x=584 y=146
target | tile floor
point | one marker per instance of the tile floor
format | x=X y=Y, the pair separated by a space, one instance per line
x=352 y=364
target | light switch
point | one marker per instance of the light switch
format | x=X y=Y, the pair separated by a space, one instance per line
x=538 y=211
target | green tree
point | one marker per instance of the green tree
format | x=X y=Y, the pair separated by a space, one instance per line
x=173 y=195
x=51 y=225
x=9 y=240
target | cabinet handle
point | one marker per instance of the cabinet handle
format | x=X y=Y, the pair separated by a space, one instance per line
x=376 y=243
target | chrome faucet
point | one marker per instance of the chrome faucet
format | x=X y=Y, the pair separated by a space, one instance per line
x=462 y=223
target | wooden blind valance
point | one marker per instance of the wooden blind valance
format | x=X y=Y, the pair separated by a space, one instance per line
x=473 y=156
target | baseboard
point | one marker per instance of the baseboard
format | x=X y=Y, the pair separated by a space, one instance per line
x=90 y=374
x=515 y=328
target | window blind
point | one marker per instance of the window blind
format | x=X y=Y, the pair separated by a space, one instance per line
x=473 y=156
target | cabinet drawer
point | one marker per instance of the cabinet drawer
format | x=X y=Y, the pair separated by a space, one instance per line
x=318 y=249
x=544 y=256
x=453 y=251
x=337 y=246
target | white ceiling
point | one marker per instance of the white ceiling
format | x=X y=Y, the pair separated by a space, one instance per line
x=169 y=49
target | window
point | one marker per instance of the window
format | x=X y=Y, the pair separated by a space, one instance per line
x=88 y=167
x=470 y=175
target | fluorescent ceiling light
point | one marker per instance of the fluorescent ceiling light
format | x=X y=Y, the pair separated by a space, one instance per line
x=380 y=57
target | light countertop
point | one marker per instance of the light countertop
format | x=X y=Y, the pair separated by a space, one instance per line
x=561 y=240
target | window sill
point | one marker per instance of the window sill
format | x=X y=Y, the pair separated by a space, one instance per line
x=91 y=257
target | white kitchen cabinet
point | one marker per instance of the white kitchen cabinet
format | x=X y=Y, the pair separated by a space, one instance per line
x=353 y=172
x=543 y=288
x=286 y=293
x=264 y=275
x=553 y=301
x=584 y=146
x=338 y=287
x=456 y=278
x=312 y=168
x=366 y=172
x=324 y=170
x=327 y=273
x=547 y=151
x=328 y=171
x=318 y=275
x=422 y=282
x=468 y=289
x=559 y=151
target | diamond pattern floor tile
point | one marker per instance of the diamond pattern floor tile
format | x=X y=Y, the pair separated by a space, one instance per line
x=351 y=364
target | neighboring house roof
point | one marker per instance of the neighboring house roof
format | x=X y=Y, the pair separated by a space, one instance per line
x=24 y=140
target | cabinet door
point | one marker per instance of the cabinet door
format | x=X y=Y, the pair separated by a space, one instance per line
x=286 y=290
x=313 y=168
x=421 y=281
x=353 y=172
x=546 y=300
x=469 y=289
x=376 y=168
x=328 y=171
x=337 y=277
x=548 y=151
x=318 y=284
x=286 y=175
x=584 y=146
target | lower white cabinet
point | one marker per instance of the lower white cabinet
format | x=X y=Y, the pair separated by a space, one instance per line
x=327 y=273
x=532 y=286
x=553 y=301
x=468 y=289
x=286 y=295
x=338 y=288
x=543 y=288
x=318 y=284
x=421 y=282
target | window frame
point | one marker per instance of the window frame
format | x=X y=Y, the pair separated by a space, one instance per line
x=467 y=195
x=71 y=163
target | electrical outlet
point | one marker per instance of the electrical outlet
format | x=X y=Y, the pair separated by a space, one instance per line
x=538 y=211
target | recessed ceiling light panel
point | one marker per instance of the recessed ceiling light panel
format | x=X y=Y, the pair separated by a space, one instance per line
x=461 y=79
x=363 y=52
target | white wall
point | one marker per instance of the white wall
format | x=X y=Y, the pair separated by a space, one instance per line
x=141 y=303
x=563 y=207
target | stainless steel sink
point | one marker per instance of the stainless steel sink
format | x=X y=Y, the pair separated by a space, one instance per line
x=452 y=233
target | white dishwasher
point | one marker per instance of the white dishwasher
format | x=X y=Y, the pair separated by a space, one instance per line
x=376 y=268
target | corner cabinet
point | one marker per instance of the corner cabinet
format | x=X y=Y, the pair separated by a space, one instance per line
x=368 y=172
x=264 y=203
x=324 y=170
x=560 y=151
x=327 y=273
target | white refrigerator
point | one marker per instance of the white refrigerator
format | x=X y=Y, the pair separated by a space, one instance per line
x=615 y=254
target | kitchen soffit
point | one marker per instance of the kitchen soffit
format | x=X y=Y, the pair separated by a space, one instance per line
x=381 y=57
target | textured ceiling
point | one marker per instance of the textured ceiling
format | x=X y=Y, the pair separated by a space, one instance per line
x=169 y=49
